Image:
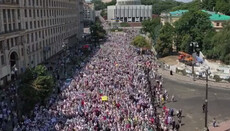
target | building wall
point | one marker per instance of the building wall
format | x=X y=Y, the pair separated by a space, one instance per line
x=129 y=13
x=35 y=31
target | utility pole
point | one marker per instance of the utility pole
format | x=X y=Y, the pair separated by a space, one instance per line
x=206 y=101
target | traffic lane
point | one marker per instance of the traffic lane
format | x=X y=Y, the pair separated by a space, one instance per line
x=190 y=99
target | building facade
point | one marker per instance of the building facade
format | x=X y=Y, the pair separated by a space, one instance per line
x=32 y=31
x=129 y=11
x=89 y=12
x=217 y=19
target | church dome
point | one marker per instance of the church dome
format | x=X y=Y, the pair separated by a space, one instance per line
x=128 y=2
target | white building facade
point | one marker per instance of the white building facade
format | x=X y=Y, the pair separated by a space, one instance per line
x=129 y=11
x=32 y=31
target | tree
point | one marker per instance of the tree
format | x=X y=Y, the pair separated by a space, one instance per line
x=152 y=26
x=98 y=4
x=195 y=5
x=35 y=87
x=221 y=45
x=223 y=6
x=165 y=41
x=211 y=5
x=97 y=32
x=161 y=5
x=141 y=42
x=192 y=26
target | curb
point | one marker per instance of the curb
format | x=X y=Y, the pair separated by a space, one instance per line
x=189 y=80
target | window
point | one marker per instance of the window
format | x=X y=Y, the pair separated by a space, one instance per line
x=26 y=25
x=22 y=52
x=25 y=13
x=3 y=60
x=30 y=24
x=1 y=45
x=217 y=24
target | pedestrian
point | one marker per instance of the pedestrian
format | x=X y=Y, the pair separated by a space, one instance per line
x=173 y=98
x=203 y=107
x=214 y=122
x=177 y=127
x=180 y=121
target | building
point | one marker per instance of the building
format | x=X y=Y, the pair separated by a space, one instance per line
x=89 y=12
x=32 y=31
x=217 y=19
x=129 y=11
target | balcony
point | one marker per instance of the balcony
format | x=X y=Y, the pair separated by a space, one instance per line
x=9 y=2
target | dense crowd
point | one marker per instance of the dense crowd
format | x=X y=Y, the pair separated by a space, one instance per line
x=109 y=93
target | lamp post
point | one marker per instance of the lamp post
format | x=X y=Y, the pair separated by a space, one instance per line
x=64 y=46
x=194 y=45
x=206 y=99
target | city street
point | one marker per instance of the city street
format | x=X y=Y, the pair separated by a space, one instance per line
x=190 y=99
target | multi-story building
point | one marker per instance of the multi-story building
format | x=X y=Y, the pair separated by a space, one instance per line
x=89 y=12
x=32 y=31
x=217 y=19
x=129 y=11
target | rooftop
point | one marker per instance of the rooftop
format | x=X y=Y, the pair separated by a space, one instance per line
x=214 y=16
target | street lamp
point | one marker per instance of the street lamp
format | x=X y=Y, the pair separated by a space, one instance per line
x=194 y=45
x=207 y=73
x=64 y=46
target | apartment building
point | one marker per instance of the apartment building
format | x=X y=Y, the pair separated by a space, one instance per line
x=32 y=31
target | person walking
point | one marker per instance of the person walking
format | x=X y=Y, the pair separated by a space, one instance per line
x=173 y=98
x=203 y=107
x=214 y=122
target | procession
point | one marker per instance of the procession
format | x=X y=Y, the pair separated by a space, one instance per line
x=109 y=93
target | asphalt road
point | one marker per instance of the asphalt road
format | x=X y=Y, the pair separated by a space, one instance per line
x=190 y=99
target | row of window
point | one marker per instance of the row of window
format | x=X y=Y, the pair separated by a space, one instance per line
x=49 y=3
x=9 y=1
x=48 y=12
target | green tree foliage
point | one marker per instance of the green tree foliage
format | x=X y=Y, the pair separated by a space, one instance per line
x=161 y=5
x=152 y=26
x=98 y=4
x=113 y=2
x=220 y=45
x=35 y=87
x=104 y=14
x=192 y=26
x=165 y=40
x=141 y=42
x=222 y=6
x=97 y=31
x=195 y=5
x=211 y=5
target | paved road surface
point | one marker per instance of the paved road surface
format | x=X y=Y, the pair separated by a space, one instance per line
x=190 y=99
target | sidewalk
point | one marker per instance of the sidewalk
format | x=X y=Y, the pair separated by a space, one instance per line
x=189 y=80
x=224 y=126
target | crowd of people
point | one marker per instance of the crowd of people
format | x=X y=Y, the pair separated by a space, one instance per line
x=8 y=115
x=110 y=93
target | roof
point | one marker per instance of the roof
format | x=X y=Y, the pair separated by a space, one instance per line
x=178 y=12
x=214 y=16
